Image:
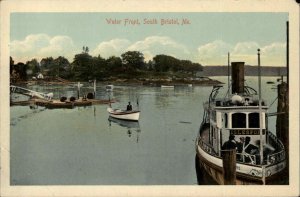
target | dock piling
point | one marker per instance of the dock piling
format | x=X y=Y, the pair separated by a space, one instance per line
x=229 y=166
x=282 y=121
x=78 y=90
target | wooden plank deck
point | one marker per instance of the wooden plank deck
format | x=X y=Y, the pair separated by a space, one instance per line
x=55 y=103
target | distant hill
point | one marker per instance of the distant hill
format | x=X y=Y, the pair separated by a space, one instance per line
x=249 y=71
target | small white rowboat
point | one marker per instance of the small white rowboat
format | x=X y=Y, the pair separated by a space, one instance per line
x=166 y=86
x=124 y=115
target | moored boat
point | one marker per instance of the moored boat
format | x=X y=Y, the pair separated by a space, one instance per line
x=132 y=115
x=239 y=119
x=109 y=87
x=56 y=104
x=167 y=86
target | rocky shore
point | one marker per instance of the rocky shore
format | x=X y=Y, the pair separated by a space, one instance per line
x=200 y=81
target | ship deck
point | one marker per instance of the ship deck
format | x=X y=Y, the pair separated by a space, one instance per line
x=273 y=152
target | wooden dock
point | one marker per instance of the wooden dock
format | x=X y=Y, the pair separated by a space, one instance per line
x=56 y=104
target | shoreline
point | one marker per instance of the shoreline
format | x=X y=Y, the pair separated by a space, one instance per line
x=203 y=81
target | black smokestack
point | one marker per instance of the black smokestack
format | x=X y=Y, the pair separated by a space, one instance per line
x=238 y=77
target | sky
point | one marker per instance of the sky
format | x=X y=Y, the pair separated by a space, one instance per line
x=205 y=38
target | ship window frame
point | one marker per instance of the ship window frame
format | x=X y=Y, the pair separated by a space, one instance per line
x=256 y=122
x=236 y=122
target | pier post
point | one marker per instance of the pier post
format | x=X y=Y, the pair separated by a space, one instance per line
x=282 y=121
x=95 y=88
x=229 y=166
x=78 y=90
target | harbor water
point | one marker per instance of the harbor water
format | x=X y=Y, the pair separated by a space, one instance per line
x=81 y=146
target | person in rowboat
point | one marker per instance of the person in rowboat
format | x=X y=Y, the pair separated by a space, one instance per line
x=129 y=107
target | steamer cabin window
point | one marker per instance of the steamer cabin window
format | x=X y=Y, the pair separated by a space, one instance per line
x=239 y=120
x=254 y=120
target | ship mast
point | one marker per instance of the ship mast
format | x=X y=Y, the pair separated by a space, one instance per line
x=260 y=116
x=259 y=105
x=228 y=74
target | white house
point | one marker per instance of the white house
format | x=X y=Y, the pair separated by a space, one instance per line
x=40 y=76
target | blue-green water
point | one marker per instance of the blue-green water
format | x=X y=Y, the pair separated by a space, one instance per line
x=81 y=147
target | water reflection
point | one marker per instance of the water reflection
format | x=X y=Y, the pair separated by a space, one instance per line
x=131 y=126
x=56 y=132
x=24 y=112
x=164 y=97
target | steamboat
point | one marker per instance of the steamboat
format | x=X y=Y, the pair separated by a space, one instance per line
x=238 y=121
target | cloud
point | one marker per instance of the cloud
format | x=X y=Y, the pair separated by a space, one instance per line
x=215 y=48
x=29 y=44
x=155 y=45
x=114 y=47
x=245 y=52
x=274 y=54
x=276 y=48
x=149 y=46
x=245 y=48
x=42 y=45
x=57 y=45
x=215 y=53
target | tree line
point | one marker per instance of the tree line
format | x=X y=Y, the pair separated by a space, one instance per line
x=86 y=67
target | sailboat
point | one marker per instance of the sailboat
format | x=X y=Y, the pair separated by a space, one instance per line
x=239 y=119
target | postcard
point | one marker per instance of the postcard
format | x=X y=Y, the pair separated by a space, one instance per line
x=149 y=98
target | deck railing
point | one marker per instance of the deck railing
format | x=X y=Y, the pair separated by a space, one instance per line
x=273 y=158
x=274 y=141
x=241 y=157
x=279 y=154
x=247 y=158
x=276 y=157
x=206 y=147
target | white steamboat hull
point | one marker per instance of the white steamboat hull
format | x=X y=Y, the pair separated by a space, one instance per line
x=245 y=174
